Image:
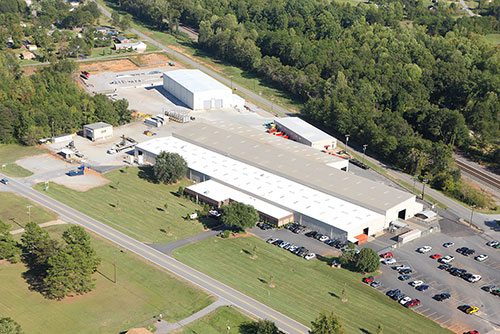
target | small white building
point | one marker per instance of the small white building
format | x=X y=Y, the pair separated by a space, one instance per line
x=98 y=131
x=303 y=132
x=199 y=91
x=137 y=46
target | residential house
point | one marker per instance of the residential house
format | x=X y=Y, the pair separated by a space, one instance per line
x=25 y=54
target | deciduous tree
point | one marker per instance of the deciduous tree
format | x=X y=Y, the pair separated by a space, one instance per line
x=169 y=167
x=327 y=324
x=239 y=216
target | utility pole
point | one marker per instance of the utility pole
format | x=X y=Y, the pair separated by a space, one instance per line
x=364 y=151
x=423 y=188
x=471 y=214
x=414 y=182
x=228 y=328
x=346 y=140
x=29 y=212
x=114 y=269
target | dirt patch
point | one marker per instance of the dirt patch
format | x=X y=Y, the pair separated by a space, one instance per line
x=197 y=60
x=126 y=64
x=30 y=70
x=81 y=182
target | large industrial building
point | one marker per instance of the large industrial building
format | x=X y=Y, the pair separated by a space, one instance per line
x=278 y=182
x=303 y=132
x=199 y=91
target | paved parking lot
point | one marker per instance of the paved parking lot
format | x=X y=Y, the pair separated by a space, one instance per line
x=440 y=281
x=313 y=245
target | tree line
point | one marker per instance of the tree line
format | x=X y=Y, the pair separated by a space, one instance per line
x=55 y=268
x=411 y=83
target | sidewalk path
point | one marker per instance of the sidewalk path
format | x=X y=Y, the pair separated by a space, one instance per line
x=47 y=224
x=169 y=247
x=164 y=327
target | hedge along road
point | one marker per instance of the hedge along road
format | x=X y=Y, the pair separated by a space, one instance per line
x=208 y=71
x=214 y=287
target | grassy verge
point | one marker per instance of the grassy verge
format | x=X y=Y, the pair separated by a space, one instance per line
x=244 y=78
x=14 y=211
x=10 y=153
x=493 y=38
x=141 y=292
x=133 y=206
x=216 y=322
x=298 y=288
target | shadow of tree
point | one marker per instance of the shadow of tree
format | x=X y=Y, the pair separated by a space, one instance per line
x=146 y=173
x=365 y=331
x=333 y=294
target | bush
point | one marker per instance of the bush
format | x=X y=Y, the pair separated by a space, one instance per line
x=225 y=234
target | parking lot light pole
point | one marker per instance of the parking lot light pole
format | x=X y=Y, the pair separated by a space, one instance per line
x=346 y=140
x=29 y=212
x=423 y=188
x=471 y=214
x=364 y=150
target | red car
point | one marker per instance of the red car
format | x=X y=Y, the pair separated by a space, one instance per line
x=387 y=255
x=472 y=332
x=436 y=256
x=413 y=302
x=368 y=279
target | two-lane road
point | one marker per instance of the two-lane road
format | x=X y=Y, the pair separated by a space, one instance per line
x=207 y=283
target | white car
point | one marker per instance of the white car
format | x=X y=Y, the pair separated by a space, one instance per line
x=474 y=278
x=310 y=256
x=389 y=261
x=405 y=300
x=424 y=249
x=416 y=283
x=271 y=240
x=403 y=267
x=446 y=259
x=324 y=238
x=481 y=257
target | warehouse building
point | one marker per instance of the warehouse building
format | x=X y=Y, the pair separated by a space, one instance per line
x=388 y=201
x=98 y=131
x=199 y=91
x=303 y=132
x=332 y=216
x=217 y=194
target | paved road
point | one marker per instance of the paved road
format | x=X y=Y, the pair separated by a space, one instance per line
x=208 y=71
x=214 y=287
x=169 y=247
x=466 y=8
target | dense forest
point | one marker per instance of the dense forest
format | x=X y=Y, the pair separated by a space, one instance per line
x=48 y=102
x=411 y=81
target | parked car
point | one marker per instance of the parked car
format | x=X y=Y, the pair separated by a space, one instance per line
x=448 y=244
x=495 y=292
x=446 y=259
x=424 y=249
x=303 y=252
x=412 y=303
x=391 y=293
x=474 y=278
x=310 y=256
x=311 y=234
x=399 y=297
x=389 y=261
x=324 y=238
x=489 y=288
x=405 y=300
x=461 y=250
x=404 y=277
x=492 y=243
x=375 y=284
x=468 y=252
x=368 y=279
x=402 y=267
x=444 y=266
x=481 y=257
x=423 y=287
x=463 y=307
x=416 y=283
x=472 y=309
x=4 y=181
x=386 y=255
x=405 y=271
x=472 y=332
x=442 y=297
x=318 y=236
x=435 y=256
x=271 y=240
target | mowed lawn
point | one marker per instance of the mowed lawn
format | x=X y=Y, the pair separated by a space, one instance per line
x=216 y=322
x=14 y=211
x=133 y=206
x=299 y=288
x=10 y=153
x=141 y=292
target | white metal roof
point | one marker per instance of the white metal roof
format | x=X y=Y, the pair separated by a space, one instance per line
x=304 y=129
x=196 y=81
x=220 y=193
x=262 y=184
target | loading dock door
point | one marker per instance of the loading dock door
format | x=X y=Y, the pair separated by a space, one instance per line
x=402 y=214
x=218 y=103
x=207 y=104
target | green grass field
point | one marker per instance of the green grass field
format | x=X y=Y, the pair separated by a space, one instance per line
x=301 y=289
x=10 y=153
x=493 y=38
x=14 y=211
x=216 y=322
x=133 y=206
x=141 y=292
